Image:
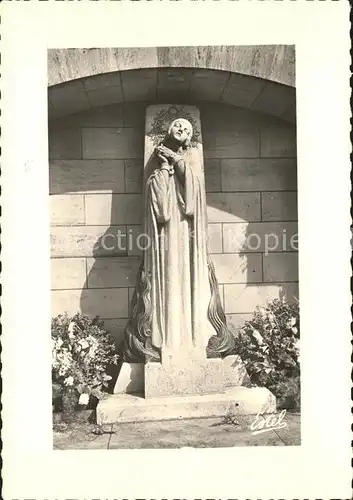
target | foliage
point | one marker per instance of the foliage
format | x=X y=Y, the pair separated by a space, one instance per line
x=269 y=347
x=81 y=352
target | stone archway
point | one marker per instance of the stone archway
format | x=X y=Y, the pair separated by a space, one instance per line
x=270 y=62
x=256 y=78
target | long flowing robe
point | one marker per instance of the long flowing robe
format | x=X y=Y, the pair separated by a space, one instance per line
x=177 y=259
x=176 y=300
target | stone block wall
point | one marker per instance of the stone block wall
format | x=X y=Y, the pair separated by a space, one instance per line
x=96 y=166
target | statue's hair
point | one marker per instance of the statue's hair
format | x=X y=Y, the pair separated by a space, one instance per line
x=188 y=140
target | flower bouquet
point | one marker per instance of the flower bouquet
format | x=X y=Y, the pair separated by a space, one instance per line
x=268 y=345
x=81 y=352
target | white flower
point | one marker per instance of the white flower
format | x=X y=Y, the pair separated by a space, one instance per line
x=59 y=343
x=92 y=340
x=84 y=344
x=291 y=322
x=262 y=310
x=297 y=348
x=84 y=398
x=71 y=329
x=297 y=345
x=257 y=336
x=69 y=381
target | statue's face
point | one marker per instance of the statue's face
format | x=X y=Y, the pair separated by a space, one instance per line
x=180 y=130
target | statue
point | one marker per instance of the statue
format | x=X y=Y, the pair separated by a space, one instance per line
x=176 y=301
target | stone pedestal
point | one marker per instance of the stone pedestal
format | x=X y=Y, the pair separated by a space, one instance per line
x=153 y=379
x=131 y=379
x=183 y=388
x=122 y=408
x=184 y=378
x=184 y=372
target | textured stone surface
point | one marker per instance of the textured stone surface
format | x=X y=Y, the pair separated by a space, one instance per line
x=113 y=272
x=242 y=90
x=259 y=174
x=279 y=206
x=133 y=176
x=134 y=114
x=106 y=303
x=78 y=437
x=133 y=232
x=243 y=298
x=260 y=237
x=212 y=432
x=104 y=209
x=70 y=97
x=277 y=141
x=103 y=116
x=280 y=267
x=110 y=95
x=68 y=273
x=112 y=143
x=173 y=82
x=235 y=373
x=290 y=114
x=274 y=99
x=208 y=85
x=131 y=379
x=190 y=80
x=215 y=238
x=116 y=327
x=120 y=408
x=213 y=175
x=104 y=80
x=86 y=241
x=182 y=376
x=192 y=432
x=237 y=268
x=238 y=320
x=80 y=176
x=273 y=62
x=225 y=207
x=140 y=86
x=222 y=118
x=66 y=210
x=64 y=142
x=241 y=143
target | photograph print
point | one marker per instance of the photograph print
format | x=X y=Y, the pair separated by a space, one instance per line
x=174 y=247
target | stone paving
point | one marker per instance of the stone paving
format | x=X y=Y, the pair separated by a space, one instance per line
x=198 y=433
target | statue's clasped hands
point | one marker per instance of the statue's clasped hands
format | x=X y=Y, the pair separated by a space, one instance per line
x=168 y=158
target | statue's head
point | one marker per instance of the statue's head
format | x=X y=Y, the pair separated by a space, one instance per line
x=180 y=130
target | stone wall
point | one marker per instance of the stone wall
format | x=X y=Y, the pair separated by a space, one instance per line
x=271 y=62
x=96 y=164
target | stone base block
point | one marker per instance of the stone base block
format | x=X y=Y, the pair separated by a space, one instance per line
x=130 y=379
x=184 y=377
x=235 y=373
x=122 y=408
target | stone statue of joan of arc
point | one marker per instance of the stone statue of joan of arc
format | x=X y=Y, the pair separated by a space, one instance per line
x=176 y=301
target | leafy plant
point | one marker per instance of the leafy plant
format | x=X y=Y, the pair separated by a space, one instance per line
x=81 y=351
x=269 y=347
